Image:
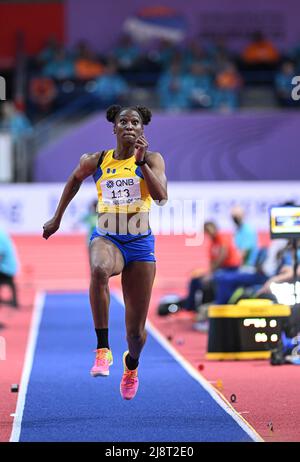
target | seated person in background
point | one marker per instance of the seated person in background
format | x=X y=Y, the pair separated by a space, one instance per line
x=260 y=51
x=218 y=49
x=245 y=237
x=276 y=267
x=90 y=219
x=223 y=257
x=88 y=66
x=15 y=121
x=60 y=68
x=163 y=53
x=294 y=56
x=283 y=84
x=195 y=53
x=172 y=88
x=228 y=83
x=49 y=50
x=126 y=53
x=285 y=272
x=42 y=95
x=110 y=87
x=199 y=84
x=8 y=266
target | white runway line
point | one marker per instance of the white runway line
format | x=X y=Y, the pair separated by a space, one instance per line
x=205 y=384
x=29 y=356
x=217 y=396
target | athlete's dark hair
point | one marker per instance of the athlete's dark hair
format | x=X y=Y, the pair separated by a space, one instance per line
x=114 y=110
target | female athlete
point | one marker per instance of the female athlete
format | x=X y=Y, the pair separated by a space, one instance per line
x=126 y=179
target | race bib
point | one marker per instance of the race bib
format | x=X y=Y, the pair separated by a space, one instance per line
x=121 y=191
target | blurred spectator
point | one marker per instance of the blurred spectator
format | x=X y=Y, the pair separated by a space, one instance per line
x=218 y=51
x=110 y=88
x=88 y=66
x=126 y=53
x=285 y=270
x=60 y=68
x=260 y=51
x=222 y=250
x=223 y=255
x=8 y=267
x=15 y=121
x=245 y=237
x=224 y=258
x=294 y=56
x=172 y=88
x=195 y=53
x=49 y=51
x=259 y=60
x=228 y=85
x=274 y=256
x=42 y=96
x=200 y=89
x=279 y=270
x=283 y=84
x=163 y=54
x=90 y=219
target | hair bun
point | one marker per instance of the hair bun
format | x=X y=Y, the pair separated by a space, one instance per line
x=145 y=113
x=112 y=112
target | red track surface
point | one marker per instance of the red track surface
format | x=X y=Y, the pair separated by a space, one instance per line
x=264 y=393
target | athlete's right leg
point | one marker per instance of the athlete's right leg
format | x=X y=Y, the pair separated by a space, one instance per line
x=105 y=260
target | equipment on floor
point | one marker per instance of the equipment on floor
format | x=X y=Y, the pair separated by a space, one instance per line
x=248 y=330
x=287 y=351
x=169 y=304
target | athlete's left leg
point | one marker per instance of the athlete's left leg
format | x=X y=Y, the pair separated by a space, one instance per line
x=137 y=282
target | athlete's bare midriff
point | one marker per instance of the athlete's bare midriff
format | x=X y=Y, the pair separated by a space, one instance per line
x=124 y=223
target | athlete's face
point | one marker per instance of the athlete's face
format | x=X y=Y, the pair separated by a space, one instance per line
x=128 y=126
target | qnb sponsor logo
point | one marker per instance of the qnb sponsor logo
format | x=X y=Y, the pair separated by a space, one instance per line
x=296 y=89
x=110 y=184
x=2 y=349
x=2 y=88
x=125 y=182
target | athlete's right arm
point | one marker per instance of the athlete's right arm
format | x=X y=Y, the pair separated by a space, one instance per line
x=85 y=168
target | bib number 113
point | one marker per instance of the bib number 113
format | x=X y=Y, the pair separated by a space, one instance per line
x=120 y=193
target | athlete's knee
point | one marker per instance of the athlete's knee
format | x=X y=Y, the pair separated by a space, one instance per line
x=100 y=273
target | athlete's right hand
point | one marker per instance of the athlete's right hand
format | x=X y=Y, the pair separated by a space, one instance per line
x=50 y=227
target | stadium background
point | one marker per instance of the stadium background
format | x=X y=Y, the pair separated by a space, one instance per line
x=243 y=149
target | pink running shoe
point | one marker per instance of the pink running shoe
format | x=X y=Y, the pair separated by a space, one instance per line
x=130 y=382
x=103 y=360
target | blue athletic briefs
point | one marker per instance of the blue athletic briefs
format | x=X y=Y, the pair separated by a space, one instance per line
x=133 y=247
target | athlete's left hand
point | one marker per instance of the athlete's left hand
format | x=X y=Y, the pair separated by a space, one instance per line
x=141 y=146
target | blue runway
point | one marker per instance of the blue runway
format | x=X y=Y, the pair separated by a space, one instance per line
x=64 y=403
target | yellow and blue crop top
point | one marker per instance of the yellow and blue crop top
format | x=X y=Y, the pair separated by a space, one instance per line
x=120 y=186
